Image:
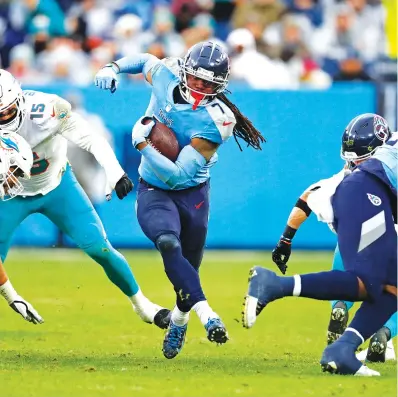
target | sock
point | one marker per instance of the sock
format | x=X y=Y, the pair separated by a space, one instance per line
x=115 y=266
x=204 y=312
x=178 y=317
x=138 y=299
x=330 y=285
x=371 y=316
x=391 y=324
x=351 y=337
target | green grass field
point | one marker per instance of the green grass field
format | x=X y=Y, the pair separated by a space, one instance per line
x=92 y=343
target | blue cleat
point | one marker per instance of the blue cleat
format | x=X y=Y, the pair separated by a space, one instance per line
x=216 y=331
x=174 y=340
x=339 y=358
x=264 y=287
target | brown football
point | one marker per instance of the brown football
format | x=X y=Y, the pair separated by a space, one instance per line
x=164 y=140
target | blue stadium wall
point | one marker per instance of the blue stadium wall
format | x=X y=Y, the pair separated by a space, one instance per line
x=251 y=192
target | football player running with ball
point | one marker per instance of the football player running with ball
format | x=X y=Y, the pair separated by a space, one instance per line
x=173 y=197
x=362 y=208
x=16 y=161
x=46 y=121
x=362 y=136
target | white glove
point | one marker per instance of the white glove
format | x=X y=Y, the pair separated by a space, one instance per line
x=26 y=310
x=141 y=131
x=106 y=78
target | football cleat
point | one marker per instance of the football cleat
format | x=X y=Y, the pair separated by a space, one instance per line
x=162 y=318
x=151 y=313
x=380 y=348
x=216 y=331
x=264 y=287
x=174 y=340
x=338 y=322
x=389 y=354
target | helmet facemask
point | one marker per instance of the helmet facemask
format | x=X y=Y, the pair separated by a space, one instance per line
x=199 y=98
x=13 y=115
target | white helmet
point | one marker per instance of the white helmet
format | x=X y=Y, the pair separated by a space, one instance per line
x=16 y=160
x=12 y=103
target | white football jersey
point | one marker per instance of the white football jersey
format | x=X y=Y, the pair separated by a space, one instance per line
x=41 y=130
x=48 y=123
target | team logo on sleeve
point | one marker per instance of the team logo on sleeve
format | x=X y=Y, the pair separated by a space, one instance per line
x=374 y=199
x=380 y=128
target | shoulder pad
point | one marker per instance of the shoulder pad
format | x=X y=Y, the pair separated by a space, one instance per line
x=173 y=64
x=222 y=117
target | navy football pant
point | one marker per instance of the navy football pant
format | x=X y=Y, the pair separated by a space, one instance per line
x=365 y=227
x=176 y=222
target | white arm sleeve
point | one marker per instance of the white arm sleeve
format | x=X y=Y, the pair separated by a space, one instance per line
x=75 y=129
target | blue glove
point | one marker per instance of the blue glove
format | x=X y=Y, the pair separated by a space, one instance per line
x=106 y=78
x=142 y=128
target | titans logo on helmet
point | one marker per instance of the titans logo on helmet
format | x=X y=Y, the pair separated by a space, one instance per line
x=380 y=128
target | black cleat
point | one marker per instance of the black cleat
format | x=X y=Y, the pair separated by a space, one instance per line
x=162 y=318
x=378 y=346
x=338 y=322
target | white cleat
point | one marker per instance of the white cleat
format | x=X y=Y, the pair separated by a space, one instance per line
x=249 y=314
x=147 y=311
x=366 y=371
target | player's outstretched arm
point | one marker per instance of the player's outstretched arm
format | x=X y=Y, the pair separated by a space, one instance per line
x=16 y=302
x=106 y=78
x=78 y=131
x=191 y=158
x=299 y=213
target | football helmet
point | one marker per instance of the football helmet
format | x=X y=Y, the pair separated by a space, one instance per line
x=16 y=160
x=362 y=136
x=209 y=62
x=12 y=103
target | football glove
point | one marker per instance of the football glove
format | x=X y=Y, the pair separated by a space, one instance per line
x=26 y=310
x=123 y=187
x=106 y=78
x=281 y=253
x=142 y=128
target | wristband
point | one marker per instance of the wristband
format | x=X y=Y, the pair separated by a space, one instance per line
x=289 y=232
x=8 y=292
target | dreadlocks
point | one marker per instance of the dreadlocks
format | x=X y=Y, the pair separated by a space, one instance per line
x=244 y=129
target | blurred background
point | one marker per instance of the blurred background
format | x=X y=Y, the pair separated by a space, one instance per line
x=300 y=70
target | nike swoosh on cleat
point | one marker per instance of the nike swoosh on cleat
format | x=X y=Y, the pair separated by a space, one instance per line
x=225 y=123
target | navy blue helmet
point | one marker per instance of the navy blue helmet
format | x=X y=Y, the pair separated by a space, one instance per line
x=362 y=136
x=209 y=62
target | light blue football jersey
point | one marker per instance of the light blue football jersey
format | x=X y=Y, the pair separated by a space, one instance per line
x=384 y=163
x=213 y=122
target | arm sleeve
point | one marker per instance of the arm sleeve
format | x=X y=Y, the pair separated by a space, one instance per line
x=140 y=63
x=188 y=163
x=78 y=131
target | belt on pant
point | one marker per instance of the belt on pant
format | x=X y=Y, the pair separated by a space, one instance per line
x=144 y=182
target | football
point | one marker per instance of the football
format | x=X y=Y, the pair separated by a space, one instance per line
x=163 y=139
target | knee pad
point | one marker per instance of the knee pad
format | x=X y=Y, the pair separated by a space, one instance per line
x=167 y=243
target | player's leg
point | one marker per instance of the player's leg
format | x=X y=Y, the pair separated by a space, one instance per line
x=70 y=209
x=339 y=314
x=12 y=214
x=159 y=219
x=194 y=211
x=368 y=245
x=381 y=348
x=356 y=216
